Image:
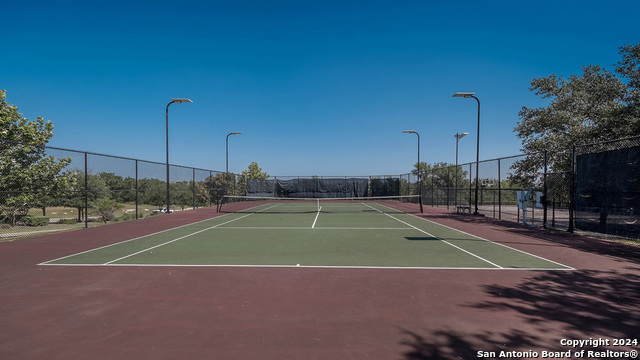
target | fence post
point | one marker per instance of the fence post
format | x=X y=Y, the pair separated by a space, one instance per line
x=209 y=190
x=499 y=192
x=136 y=189
x=448 y=188
x=544 y=192
x=572 y=179
x=193 y=186
x=470 y=184
x=86 y=191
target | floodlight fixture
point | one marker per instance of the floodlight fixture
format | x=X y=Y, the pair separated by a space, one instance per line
x=464 y=94
x=460 y=136
x=178 y=101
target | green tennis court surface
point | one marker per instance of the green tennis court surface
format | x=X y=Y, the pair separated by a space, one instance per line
x=363 y=234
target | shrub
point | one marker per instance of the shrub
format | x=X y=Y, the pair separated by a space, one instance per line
x=105 y=207
x=36 y=220
x=127 y=216
x=68 y=221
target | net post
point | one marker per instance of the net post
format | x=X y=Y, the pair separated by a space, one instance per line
x=219 y=205
x=420 y=202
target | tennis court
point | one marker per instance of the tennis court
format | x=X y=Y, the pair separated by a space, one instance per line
x=342 y=233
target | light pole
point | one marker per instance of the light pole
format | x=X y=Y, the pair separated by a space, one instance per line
x=227 y=151
x=177 y=101
x=418 y=166
x=458 y=137
x=471 y=95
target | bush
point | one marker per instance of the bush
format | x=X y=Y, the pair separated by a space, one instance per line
x=105 y=207
x=127 y=216
x=68 y=221
x=36 y=220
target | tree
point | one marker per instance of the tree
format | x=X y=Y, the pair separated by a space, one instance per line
x=106 y=207
x=202 y=195
x=595 y=106
x=153 y=191
x=254 y=172
x=27 y=174
x=440 y=180
x=74 y=196
x=441 y=175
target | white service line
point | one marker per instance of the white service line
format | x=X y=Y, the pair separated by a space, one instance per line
x=129 y=240
x=186 y=236
x=318 y=214
x=490 y=241
x=444 y=241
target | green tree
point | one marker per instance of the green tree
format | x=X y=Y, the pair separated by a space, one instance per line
x=27 y=175
x=74 y=196
x=221 y=184
x=153 y=191
x=441 y=175
x=202 y=195
x=594 y=106
x=106 y=207
x=121 y=189
x=254 y=172
x=182 y=194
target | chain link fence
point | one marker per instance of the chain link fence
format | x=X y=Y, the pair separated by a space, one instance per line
x=607 y=187
x=49 y=189
x=45 y=189
x=495 y=186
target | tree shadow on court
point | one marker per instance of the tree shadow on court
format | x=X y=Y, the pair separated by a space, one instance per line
x=577 y=304
x=588 y=302
x=450 y=345
x=610 y=249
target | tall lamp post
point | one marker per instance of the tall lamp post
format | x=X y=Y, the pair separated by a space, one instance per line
x=177 y=101
x=467 y=95
x=227 y=151
x=418 y=166
x=458 y=137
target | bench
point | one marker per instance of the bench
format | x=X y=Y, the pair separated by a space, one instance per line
x=463 y=209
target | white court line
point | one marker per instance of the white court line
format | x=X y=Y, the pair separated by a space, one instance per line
x=308 y=228
x=446 y=242
x=487 y=240
x=186 y=236
x=126 y=241
x=496 y=243
x=137 y=238
x=311 y=267
x=318 y=214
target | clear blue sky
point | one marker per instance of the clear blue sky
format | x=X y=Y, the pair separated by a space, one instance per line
x=317 y=87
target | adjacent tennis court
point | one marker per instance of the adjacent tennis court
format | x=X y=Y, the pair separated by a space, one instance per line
x=344 y=233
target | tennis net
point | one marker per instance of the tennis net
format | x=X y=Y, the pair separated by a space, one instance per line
x=380 y=204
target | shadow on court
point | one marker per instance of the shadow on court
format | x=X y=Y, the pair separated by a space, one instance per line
x=421 y=238
x=618 y=251
x=551 y=306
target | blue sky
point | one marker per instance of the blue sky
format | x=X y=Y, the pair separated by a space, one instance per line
x=316 y=87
